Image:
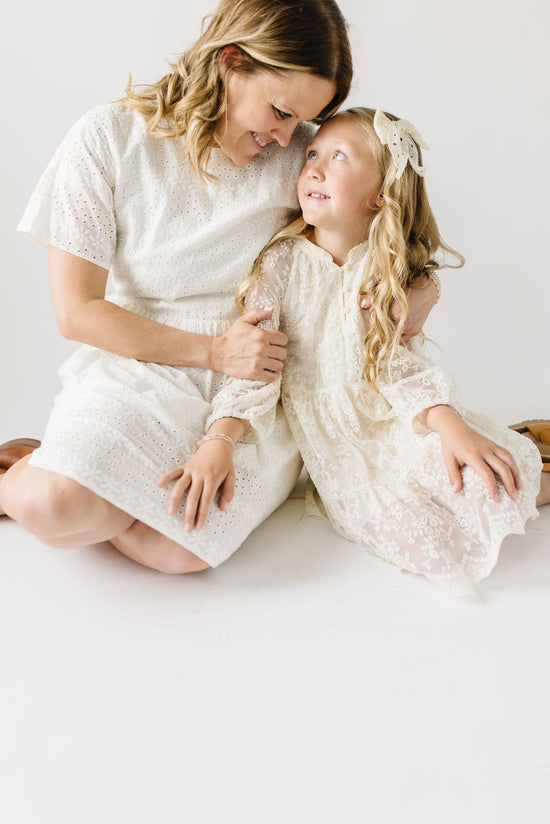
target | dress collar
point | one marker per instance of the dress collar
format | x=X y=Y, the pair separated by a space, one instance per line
x=354 y=255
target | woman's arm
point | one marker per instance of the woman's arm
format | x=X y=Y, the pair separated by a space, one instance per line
x=78 y=291
x=421 y=300
x=463 y=446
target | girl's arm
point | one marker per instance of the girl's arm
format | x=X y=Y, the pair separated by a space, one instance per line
x=240 y=407
x=463 y=446
x=209 y=470
x=78 y=291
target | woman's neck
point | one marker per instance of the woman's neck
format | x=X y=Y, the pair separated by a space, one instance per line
x=337 y=244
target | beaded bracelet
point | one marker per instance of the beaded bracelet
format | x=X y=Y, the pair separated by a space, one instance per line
x=217 y=436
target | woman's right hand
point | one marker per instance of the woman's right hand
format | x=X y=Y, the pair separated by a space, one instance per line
x=245 y=351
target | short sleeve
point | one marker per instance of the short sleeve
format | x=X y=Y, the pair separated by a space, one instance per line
x=256 y=401
x=72 y=206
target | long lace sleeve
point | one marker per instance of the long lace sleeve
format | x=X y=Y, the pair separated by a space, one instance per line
x=256 y=401
x=411 y=382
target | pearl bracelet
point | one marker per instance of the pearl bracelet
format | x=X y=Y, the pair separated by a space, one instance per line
x=216 y=436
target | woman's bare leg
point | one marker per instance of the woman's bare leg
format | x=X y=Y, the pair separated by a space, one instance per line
x=62 y=513
x=52 y=506
x=149 y=548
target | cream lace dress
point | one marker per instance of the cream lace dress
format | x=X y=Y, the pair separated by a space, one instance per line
x=378 y=474
x=176 y=249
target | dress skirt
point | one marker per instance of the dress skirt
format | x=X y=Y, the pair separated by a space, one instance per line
x=119 y=424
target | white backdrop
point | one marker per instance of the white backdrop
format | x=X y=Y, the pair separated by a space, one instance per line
x=473 y=77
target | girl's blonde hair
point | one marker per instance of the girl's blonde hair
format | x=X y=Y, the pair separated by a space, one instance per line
x=404 y=245
x=271 y=35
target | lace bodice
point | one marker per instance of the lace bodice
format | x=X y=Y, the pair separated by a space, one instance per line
x=316 y=305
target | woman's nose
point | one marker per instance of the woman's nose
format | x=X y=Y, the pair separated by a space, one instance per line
x=284 y=131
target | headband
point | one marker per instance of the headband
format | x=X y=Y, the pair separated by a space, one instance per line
x=401 y=138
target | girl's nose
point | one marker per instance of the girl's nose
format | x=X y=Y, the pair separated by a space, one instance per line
x=315 y=171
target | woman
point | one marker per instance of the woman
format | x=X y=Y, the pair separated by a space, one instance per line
x=174 y=190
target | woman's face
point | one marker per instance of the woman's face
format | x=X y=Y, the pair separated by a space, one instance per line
x=264 y=107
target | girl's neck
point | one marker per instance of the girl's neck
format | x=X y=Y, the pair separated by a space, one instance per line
x=337 y=244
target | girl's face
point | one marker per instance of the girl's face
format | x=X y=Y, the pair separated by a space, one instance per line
x=265 y=107
x=340 y=181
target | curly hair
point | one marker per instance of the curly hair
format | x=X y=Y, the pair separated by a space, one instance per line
x=404 y=247
x=271 y=35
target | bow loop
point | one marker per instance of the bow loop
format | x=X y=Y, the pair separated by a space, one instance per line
x=401 y=138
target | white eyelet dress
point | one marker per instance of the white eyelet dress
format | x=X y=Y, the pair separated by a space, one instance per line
x=176 y=250
x=379 y=475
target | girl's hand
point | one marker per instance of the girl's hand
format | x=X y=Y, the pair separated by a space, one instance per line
x=463 y=446
x=245 y=351
x=210 y=468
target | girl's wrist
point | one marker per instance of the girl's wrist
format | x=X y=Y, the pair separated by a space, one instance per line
x=433 y=416
x=216 y=436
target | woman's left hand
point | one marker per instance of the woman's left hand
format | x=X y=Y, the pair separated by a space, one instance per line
x=421 y=301
x=463 y=446
x=209 y=470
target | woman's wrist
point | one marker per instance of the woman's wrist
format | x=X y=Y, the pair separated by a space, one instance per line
x=213 y=357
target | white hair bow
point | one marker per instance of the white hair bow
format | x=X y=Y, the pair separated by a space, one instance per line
x=400 y=136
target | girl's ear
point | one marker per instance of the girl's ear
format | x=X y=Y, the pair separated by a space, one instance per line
x=380 y=200
x=228 y=58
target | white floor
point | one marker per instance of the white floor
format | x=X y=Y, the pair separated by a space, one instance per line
x=302 y=681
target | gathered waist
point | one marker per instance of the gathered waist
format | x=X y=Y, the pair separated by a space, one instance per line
x=203 y=314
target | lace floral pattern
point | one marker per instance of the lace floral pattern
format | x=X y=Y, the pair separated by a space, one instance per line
x=176 y=250
x=378 y=475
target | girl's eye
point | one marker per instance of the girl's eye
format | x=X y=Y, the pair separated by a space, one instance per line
x=338 y=155
x=311 y=155
x=281 y=115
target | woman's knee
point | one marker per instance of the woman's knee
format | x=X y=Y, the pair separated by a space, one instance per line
x=45 y=503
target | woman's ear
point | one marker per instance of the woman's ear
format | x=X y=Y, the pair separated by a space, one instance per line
x=228 y=58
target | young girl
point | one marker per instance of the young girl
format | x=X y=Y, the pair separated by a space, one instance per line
x=398 y=466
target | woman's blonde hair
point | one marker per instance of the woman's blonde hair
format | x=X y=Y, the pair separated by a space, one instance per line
x=271 y=35
x=404 y=247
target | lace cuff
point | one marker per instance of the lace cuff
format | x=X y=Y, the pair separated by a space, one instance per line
x=253 y=401
x=412 y=384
